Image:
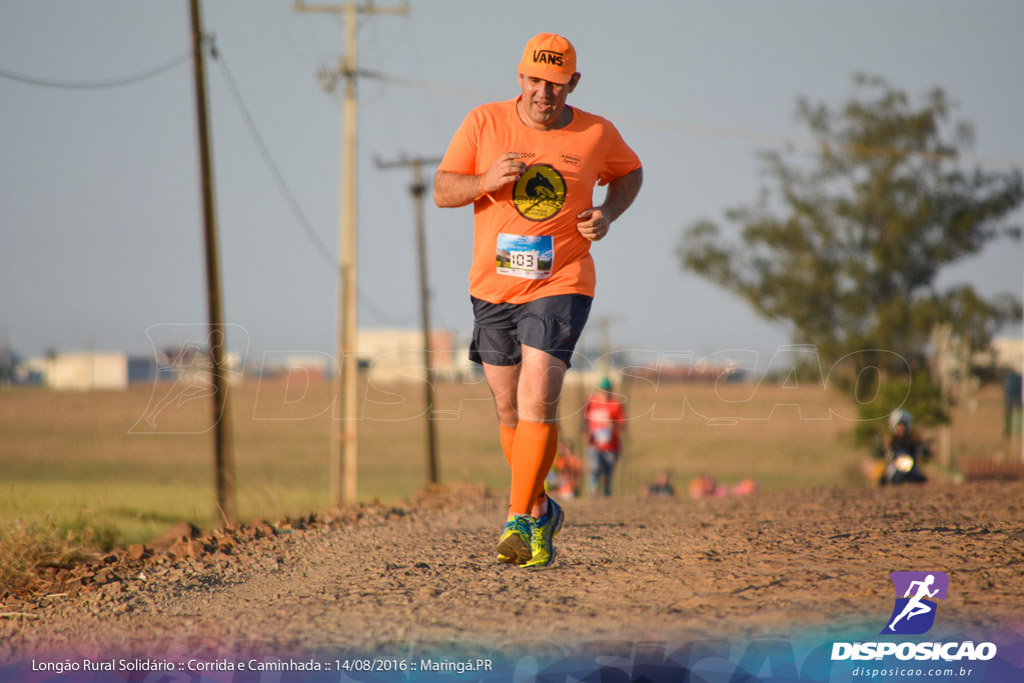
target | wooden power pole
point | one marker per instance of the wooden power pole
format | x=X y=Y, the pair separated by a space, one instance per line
x=344 y=433
x=418 y=189
x=224 y=459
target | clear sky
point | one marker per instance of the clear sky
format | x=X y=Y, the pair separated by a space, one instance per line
x=100 y=233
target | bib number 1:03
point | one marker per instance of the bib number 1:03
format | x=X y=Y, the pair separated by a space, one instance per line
x=524 y=260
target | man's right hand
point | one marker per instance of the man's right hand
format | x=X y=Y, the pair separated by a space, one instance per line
x=506 y=169
x=459 y=189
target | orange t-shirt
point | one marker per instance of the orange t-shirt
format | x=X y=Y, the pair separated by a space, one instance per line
x=525 y=243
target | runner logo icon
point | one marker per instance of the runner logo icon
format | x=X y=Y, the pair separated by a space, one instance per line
x=914 y=614
x=916 y=592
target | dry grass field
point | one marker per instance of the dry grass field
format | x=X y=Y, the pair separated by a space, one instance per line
x=92 y=461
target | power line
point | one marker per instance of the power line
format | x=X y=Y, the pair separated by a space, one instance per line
x=300 y=216
x=441 y=88
x=756 y=137
x=282 y=186
x=96 y=84
x=442 y=133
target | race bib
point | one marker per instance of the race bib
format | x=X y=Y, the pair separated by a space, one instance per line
x=525 y=256
x=603 y=437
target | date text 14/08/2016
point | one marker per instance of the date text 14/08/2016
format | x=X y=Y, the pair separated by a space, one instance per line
x=460 y=666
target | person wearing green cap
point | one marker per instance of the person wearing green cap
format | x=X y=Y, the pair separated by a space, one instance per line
x=605 y=418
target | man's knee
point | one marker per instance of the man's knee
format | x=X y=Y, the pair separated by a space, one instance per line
x=538 y=409
x=508 y=414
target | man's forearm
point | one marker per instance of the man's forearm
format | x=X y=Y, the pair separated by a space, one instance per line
x=621 y=193
x=455 y=189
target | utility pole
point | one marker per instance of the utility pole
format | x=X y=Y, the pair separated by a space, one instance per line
x=344 y=433
x=224 y=459
x=605 y=322
x=418 y=189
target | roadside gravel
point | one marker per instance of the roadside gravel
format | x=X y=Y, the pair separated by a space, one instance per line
x=421 y=576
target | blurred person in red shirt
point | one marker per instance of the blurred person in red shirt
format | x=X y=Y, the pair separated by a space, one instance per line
x=605 y=419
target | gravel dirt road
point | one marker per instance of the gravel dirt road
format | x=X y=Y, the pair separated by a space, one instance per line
x=417 y=576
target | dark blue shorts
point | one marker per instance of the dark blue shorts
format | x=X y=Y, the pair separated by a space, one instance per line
x=552 y=324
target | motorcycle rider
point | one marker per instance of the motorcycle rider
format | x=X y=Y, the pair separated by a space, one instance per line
x=901 y=444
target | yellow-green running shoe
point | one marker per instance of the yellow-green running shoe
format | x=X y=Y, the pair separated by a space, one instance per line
x=514 y=544
x=542 y=531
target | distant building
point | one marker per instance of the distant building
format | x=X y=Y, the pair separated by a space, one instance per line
x=87 y=371
x=29 y=371
x=191 y=364
x=397 y=354
x=311 y=364
x=1009 y=353
x=141 y=369
x=385 y=355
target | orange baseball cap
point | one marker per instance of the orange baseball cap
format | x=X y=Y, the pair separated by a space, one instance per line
x=549 y=56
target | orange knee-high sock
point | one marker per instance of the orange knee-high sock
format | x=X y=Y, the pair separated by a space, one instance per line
x=507 y=435
x=533 y=442
x=550 y=451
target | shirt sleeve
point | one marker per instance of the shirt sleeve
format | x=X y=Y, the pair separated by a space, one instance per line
x=462 y=151
x=620 y=160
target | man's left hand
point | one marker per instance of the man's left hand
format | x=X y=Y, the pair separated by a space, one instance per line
x=593 y=224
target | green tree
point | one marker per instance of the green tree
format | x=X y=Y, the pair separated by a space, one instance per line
x=847 y=244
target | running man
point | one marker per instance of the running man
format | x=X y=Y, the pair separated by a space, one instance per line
x=529 y=166
x=914 y=606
